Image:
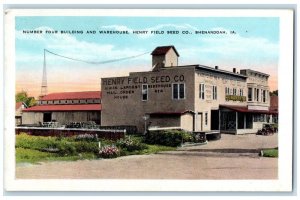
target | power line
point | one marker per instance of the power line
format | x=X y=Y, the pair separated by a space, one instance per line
x=100 y=62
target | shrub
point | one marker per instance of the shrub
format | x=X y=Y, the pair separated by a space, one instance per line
x=88 y=147
x=171 y=138
x=86 y=137
x=129 y=144
x=35 y=142
x=66 y=148
x=109 y=152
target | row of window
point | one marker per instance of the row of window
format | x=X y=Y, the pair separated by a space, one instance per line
x=70 y=101
x=202 y=92
x=233 y=91
x=256 y=94
x=178 y=91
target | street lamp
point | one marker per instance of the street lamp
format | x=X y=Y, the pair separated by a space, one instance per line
x=145 y=117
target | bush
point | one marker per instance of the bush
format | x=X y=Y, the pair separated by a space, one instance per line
x=88 y=147
x=66 y=148
x=35 y=142
x=86 y=137
x=109 y=152
x=171 y=138
x=129 y=144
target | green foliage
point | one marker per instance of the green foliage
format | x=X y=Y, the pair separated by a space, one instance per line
x=274 y=93
x=32 y=156
x=129 y=144
x=171 y=138
x=35 y=142
x=37 y=148
x=87 y=137
x=23 y=97
x=109 y=152
x=270 y=153
x=65 y=146
x=83 y=146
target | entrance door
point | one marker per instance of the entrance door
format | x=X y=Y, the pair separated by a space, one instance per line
x=47 y=117
x=214 y=122
x=199 y=124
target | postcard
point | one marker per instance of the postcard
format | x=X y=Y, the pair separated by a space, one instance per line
x=148 y=100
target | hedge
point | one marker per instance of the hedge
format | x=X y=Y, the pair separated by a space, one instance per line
x=171 y=138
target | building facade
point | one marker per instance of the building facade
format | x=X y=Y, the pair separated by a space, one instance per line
x=20 y=106
x=190 y=97
x=65 y=108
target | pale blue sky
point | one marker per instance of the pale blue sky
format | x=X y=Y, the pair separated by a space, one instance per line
x=255 y=45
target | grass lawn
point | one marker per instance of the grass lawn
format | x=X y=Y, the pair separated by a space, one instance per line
x=33 y=149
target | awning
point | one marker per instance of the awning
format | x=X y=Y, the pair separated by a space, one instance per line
x=244 y=109
x=178 y=113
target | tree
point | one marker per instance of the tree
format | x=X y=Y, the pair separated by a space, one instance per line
x=274 y=93
x=23 y=97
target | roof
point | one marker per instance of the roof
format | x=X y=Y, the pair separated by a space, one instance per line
x=162 y=50
x=76 y=107
x=199 y=67
x=18 y=105
x=72 y=95
x=257 y=72
x=244 y=109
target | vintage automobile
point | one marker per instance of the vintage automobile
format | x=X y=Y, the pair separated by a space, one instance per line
x=268 y=129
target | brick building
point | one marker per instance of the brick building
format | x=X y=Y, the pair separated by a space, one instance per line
x=190 y=97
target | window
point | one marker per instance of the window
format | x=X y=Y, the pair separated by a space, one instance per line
x=249 y=94
x=178 y=91
x=226 y=91
x=241 y=92
x=144 y=92
x=255 y=97
x=214 y=92
x=257 y=94
x=201 y=91
x=263 y=96
x=206 y=118
x=234 y=91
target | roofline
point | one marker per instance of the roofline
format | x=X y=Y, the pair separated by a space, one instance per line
x=172 y=46
x=220 y=71
x=256 y=72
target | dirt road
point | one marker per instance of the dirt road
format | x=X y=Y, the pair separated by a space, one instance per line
x=232 y=157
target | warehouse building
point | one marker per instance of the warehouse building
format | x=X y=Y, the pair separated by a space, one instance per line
x=64 y=108
x=189 y=97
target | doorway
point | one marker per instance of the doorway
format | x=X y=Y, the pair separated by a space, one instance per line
x=47 y=117
x=199 y=124
x=214 y=125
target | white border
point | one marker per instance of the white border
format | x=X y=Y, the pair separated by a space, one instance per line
x=285 y=82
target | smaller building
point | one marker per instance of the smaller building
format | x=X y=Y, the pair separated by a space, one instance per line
x=20 y=106
x=274 y=109
x=65 y=107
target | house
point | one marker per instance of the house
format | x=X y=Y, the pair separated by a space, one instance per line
x=65 y=107
x=20 y=106
x=190 y=97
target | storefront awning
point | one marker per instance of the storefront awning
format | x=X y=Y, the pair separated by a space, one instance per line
x=244 y=109
x=169 y=113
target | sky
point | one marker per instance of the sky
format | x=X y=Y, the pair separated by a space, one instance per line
x=246 y=43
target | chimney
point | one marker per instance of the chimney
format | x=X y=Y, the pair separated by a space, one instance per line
x=216 y=67
x=234 y=70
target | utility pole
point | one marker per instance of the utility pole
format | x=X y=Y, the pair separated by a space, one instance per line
x=44 y=80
